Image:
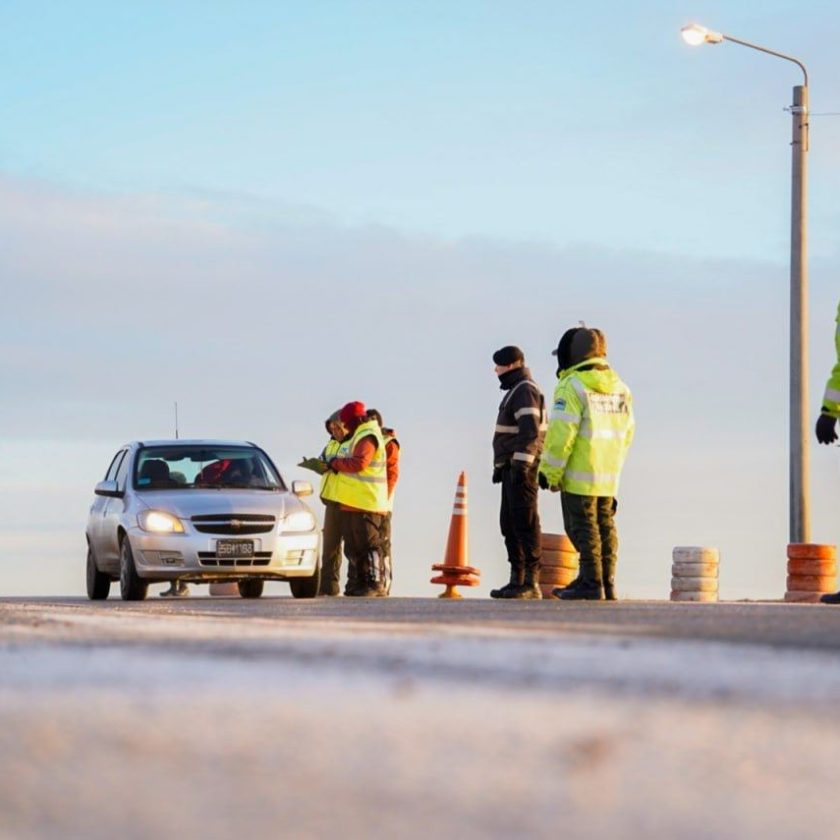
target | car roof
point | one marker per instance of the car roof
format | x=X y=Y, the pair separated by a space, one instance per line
x=194 y=442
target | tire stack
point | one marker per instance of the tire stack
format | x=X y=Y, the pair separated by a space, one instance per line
x=812 y=572
x=559 y=563
x=694 y=574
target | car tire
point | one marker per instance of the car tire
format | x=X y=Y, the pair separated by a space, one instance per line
x=306 y=587
x=98 y=583
x=132 y=586
x=251 y=588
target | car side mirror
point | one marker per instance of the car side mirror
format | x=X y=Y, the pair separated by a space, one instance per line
x=302 y=488
x=108 y=488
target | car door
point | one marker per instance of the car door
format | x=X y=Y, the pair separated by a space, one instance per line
x=96 y=520
x=112 y=518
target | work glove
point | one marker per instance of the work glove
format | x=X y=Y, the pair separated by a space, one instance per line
x=826 y=432
x=497 y=475
x=314 y=464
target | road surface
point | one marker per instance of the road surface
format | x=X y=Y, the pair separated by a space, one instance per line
x=417 y=718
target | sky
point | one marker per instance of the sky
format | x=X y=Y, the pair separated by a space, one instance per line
x=265 y=210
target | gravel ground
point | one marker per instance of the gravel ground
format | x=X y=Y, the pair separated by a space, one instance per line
x=226 y=719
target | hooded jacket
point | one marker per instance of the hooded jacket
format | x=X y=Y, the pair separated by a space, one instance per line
x=831 y=398
x=590 y=430
x=521 y=422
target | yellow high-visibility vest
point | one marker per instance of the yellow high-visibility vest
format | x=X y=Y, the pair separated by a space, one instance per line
x=368 y=489
x=333 y=449
x=589 y=431
x=831 y=398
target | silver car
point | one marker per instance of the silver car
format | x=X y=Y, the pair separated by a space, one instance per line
x=199 y=511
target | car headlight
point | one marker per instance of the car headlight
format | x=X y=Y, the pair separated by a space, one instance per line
x=160 y=522
x=296 y=523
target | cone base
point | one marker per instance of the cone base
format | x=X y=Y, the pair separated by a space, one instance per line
x=451 y=592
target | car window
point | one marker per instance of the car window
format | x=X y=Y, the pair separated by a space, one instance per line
x=122 y=472
x=185 y=467
x=115 y=465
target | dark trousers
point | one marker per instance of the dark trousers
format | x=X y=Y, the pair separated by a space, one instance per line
x=362 y=533
x=331 y=550
x=590 y=525
x=519 y=517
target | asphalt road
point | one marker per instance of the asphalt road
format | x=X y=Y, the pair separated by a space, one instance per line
x=411 y=717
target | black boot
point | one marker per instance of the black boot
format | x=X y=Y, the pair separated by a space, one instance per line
x=608 y=576
x=587 y=586
x=585 y=592
x=557 y=591
x=530 y=589
x=517 y=576
x=831 y=599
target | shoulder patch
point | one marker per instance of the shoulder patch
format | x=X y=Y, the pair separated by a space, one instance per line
x=560 y=404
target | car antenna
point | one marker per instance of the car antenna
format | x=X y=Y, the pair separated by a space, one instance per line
x=176 y=420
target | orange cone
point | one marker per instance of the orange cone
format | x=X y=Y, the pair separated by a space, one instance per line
x=454 y=569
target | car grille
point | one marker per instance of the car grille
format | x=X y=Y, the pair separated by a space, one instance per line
x=260 y=558
x=234 y=524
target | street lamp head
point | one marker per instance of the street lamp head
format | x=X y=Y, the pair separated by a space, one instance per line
x=694 y=35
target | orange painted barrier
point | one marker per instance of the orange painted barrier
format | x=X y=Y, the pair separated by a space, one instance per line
x=811 y=551
x=454 y=569
x=812 y=571
x=560 y=563
x=804 y=566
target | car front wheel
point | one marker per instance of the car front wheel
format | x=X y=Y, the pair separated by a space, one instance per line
x=98 y=584
x=306 y=587
x=132 y=586
x=251 y=588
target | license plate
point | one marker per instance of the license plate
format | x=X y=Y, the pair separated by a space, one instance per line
x=234 y=548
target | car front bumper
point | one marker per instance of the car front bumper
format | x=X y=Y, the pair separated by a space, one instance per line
x=193 y=557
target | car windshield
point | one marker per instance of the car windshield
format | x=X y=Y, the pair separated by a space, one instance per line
x=200 y=467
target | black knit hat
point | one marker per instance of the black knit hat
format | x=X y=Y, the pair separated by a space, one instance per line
x=508 y=356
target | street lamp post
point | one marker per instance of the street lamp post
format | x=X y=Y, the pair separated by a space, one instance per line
x=800 y=503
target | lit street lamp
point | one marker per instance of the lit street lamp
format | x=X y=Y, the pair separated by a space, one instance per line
x=800 y=525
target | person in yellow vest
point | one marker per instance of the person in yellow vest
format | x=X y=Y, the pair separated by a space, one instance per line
x=331 y=547
x=361 y=490
x=589 y=432
x=827 y=421
x=830 y=409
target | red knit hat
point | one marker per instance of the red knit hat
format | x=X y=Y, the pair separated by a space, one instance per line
x=352 y=412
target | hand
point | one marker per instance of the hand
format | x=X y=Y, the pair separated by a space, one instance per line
x=542 y=481
x=497 y=475
x=826 y=432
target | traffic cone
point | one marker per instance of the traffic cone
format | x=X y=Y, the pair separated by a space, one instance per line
x=454 y=569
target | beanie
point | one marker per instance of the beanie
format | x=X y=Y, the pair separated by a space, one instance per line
x=508 y=356
x=352 y=413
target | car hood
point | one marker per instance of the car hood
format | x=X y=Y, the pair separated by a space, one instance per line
x=187 y=503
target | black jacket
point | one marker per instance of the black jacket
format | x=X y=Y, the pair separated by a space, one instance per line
x=522 y=421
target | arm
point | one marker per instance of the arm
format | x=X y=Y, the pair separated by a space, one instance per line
x=562 y=432
x=527 y=408
x=831 y=398
x=392 y=465
x=362 y=455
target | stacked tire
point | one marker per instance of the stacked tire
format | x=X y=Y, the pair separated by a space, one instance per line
x=559 y=563
x=694 y=574
x=811 y=572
